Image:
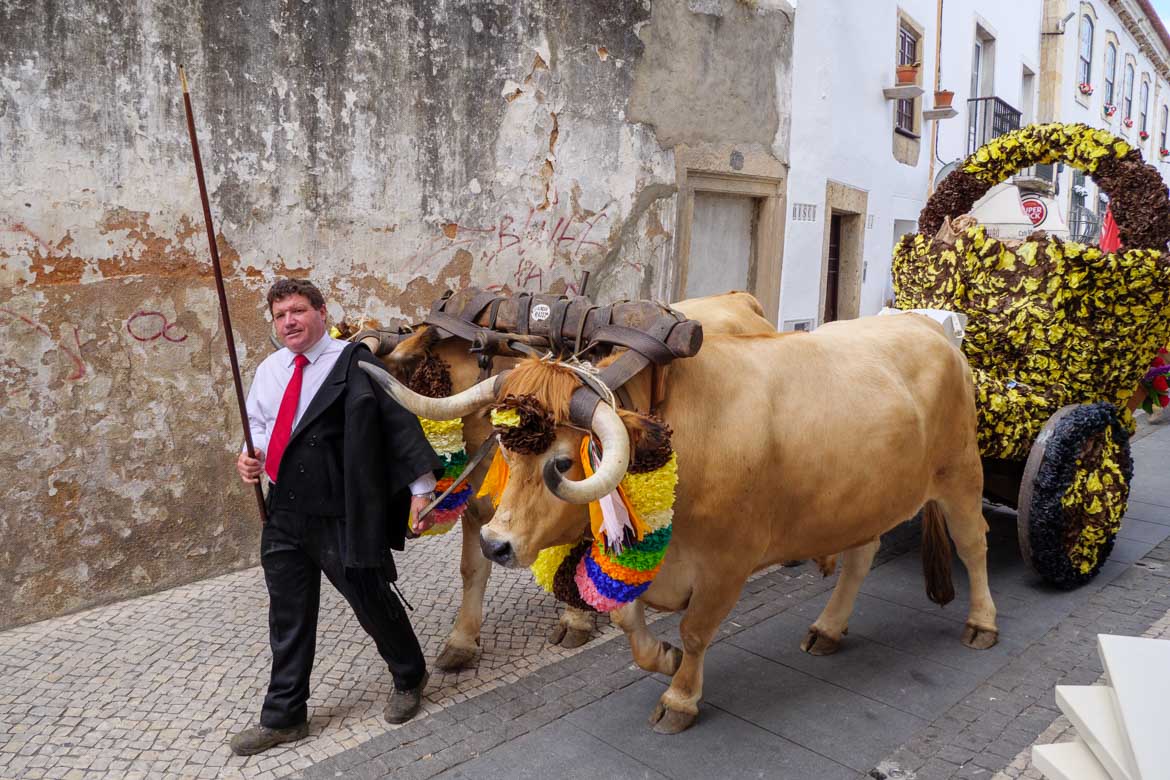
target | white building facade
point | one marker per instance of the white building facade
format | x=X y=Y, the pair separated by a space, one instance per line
x=865 y=157
x=1107 y=64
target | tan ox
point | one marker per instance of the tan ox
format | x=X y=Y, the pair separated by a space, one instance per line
x=733 y=312
x=789 y=447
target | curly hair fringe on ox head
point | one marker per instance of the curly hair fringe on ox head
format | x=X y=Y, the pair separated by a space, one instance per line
x=529 y=429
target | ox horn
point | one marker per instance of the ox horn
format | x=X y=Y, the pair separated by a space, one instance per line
x=615 y=458
x=459 y=405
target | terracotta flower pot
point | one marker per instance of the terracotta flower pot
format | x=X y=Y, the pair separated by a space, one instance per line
x=943 y=98
x=907 y=74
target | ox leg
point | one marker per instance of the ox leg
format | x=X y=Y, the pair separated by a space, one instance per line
x=824 y=636
x=463 y=642
x=709 y=605
x=573 y=629
x=968 y=530
x=649 y=653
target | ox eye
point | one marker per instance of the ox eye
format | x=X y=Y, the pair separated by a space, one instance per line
x=563 y=464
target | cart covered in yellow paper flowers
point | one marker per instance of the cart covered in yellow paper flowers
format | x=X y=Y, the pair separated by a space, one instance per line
x=1058 y=335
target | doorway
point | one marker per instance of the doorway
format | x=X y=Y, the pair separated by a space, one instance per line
x=833 y=270
x=723 y=245
x=731 y=237
x=842 y=253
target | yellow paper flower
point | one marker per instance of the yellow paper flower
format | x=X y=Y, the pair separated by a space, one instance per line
x=544 y=568
x=507 y=418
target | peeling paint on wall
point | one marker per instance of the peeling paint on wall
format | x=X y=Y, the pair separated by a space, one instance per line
x=388 y=150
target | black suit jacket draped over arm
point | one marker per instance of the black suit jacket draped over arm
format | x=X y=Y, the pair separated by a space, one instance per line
x=385 y=450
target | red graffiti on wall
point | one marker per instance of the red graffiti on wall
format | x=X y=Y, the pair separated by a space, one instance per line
x=511 y=239
x=151 y=325
x=74 y=352
x=12 y=226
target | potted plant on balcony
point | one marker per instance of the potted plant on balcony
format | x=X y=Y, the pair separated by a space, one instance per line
x=943 y=98
x=1163 y=152
x=907 y=74
x=1128 y=121
x=1109 y=109
x=1085 y=87
x=1143 y=135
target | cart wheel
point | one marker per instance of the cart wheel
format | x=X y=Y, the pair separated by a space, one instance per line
x=1074 y=492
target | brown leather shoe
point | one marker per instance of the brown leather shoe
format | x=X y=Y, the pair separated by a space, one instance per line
x=404 y=705
x=257 y=739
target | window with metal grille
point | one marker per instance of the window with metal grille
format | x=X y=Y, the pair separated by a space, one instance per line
x=907 y=55
x=1085 y=71
x=1110 y=71
x=1145 y=103
x=1080 y=191
x=1165 y=121
x=1128 y=91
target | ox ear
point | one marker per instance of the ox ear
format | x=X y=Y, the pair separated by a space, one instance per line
x=649 y=440
x=410 y=351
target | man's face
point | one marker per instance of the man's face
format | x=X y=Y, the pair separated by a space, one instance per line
x=297 y=323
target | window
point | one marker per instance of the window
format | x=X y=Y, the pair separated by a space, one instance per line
x=907 y=55
x=1080 y=192
x=1145 y=104
x=1165 y=121
x=1128 y=90
x=1085 y=70
x=1110 y=71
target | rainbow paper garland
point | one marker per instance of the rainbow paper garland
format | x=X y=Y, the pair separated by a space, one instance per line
x=607 y=579
x=446 y=439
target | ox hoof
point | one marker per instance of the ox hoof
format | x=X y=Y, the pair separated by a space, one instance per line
x=816 y=643
x=980 y=638
x=575 y=637
x=454 y=658
x=666 y=721
x=568 y=637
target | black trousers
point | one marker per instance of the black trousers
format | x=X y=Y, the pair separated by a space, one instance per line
x=294 y=550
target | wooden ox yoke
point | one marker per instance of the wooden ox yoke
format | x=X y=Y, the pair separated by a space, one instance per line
x=528 y=324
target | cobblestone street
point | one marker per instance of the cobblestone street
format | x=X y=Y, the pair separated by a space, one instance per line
x=152 y=687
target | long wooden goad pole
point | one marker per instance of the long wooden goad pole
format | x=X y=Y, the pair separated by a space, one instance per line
x=223 y=304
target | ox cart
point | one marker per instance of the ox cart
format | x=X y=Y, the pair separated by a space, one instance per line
x=1058 y=335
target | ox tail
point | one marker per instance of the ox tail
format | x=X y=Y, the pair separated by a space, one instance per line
x=936 y=555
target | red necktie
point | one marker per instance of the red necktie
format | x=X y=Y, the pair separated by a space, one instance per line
x=284 y=418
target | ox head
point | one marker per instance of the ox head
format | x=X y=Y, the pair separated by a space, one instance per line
x=544 y=500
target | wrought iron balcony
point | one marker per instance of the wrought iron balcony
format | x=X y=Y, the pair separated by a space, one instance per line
x=989 y=118
x=1083 y=224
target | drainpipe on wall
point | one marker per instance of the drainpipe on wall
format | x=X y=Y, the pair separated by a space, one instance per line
x=937 y=87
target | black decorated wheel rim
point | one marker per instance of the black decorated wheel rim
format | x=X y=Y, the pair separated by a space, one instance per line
x=1074 y=494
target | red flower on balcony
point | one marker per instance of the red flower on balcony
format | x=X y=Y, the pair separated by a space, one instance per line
x=1143 y=135
x=1163 y=152
x=1085 y=88
x=1110 y=109
x=1128 y=121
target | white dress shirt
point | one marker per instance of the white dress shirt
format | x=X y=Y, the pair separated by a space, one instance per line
x=273 y=376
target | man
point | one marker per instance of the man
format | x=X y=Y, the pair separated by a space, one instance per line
x=347 y=465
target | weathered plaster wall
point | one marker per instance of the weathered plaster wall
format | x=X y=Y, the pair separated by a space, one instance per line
x=386 y=149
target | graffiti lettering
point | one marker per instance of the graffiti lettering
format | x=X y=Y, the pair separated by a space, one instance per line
x=511 y=239
x=74 y=352
x=150 y=325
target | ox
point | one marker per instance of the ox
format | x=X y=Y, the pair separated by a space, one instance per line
x=773 y=465
x=733 y=312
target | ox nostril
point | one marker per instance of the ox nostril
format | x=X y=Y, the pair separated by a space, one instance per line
x=496 y=550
